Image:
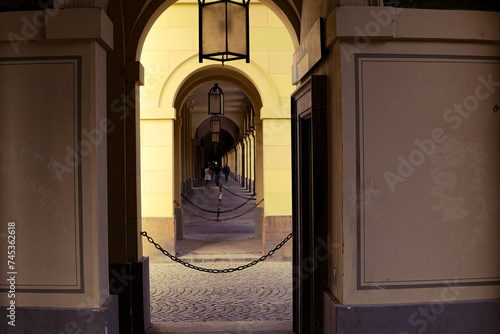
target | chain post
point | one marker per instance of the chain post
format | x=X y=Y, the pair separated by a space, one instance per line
x=220 y=200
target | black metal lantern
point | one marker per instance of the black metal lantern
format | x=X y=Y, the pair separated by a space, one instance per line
x=216 y=101
x=224 y=33
x=215 y=124
x=215 y=137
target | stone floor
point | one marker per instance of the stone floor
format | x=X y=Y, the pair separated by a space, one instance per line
x=255 y=300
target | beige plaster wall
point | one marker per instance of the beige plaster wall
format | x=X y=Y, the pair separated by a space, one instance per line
x=275 y=230
x=53 y=101
x=157 y=152
x=163 y=232
x=419 y=158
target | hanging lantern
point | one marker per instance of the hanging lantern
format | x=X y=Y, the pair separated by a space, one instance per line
x=215 y=101
x=224 y=33
x=215 y=137
x=215 y=124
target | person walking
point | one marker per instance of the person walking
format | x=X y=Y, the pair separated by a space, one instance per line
x=226 y=171
x=207 y=177
x=217 y=173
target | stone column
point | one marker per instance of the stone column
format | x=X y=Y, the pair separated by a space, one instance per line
x=259 y=178
x=157 y=160
x=277 y=221
x=253 y=162
x=247 y=160
x=177 y=180
x=53 y=130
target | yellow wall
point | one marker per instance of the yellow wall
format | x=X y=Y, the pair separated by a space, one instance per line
x=277 y=167
x=230 y=162
x=157 y=151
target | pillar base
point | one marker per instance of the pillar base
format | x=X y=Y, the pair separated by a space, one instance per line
x=141 y=307
x=130 y=282
x=40 y=320
x=178 y=223
x=259 y=214
x=120 y=277
x=274 y=230
x=163 y=232
x=474 y=316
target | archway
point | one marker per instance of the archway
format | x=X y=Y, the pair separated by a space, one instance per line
x=172 y=112
x=165 y=116
x=284 y=10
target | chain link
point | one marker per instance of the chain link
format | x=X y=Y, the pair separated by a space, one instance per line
x=212 y=211
x=216 y=271
x=217 y=219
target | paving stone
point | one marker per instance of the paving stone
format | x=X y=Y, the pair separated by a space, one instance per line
x=263 y=292
x=259 y=294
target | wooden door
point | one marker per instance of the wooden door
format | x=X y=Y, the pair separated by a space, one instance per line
x=310 y=203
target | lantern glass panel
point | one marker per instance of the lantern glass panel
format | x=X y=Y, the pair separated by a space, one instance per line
x=223 y=34
x=215 y=124
x=216 y=104
x=236 y=29
x=214 y=28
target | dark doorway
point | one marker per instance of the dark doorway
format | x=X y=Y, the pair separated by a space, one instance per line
x=310 y=203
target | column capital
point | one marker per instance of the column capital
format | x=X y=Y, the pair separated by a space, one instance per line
x=159 y=113
x=74 y=24
x=275 y=112
x=79 y=23
x=134 y=72
x=102 y=4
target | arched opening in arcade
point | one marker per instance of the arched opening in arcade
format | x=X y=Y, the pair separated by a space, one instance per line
x=177 y=143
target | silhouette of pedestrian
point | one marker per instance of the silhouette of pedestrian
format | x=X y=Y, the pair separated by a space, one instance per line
x=226 y=171
x=217 y=173
x=207 y=177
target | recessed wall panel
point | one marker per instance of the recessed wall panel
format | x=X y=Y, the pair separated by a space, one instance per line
x=428 y=186
x=40 y=171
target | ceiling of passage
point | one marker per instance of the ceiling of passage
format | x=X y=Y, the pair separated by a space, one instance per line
x=231 y=123
x=234 y=99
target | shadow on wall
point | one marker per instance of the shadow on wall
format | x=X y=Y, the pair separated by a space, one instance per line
x=484 y=5
x=25 y=5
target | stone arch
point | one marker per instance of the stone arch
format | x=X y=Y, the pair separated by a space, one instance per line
x=226 y=123
x=286 y=11
x=250 y=78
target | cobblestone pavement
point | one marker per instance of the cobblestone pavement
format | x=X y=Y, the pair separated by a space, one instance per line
x=262 y=292
x=257 y=299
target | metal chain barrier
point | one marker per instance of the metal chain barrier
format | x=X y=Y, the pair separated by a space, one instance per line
x=216 y=271
x=235 y=194
x=217 y=219
x=213 y=211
